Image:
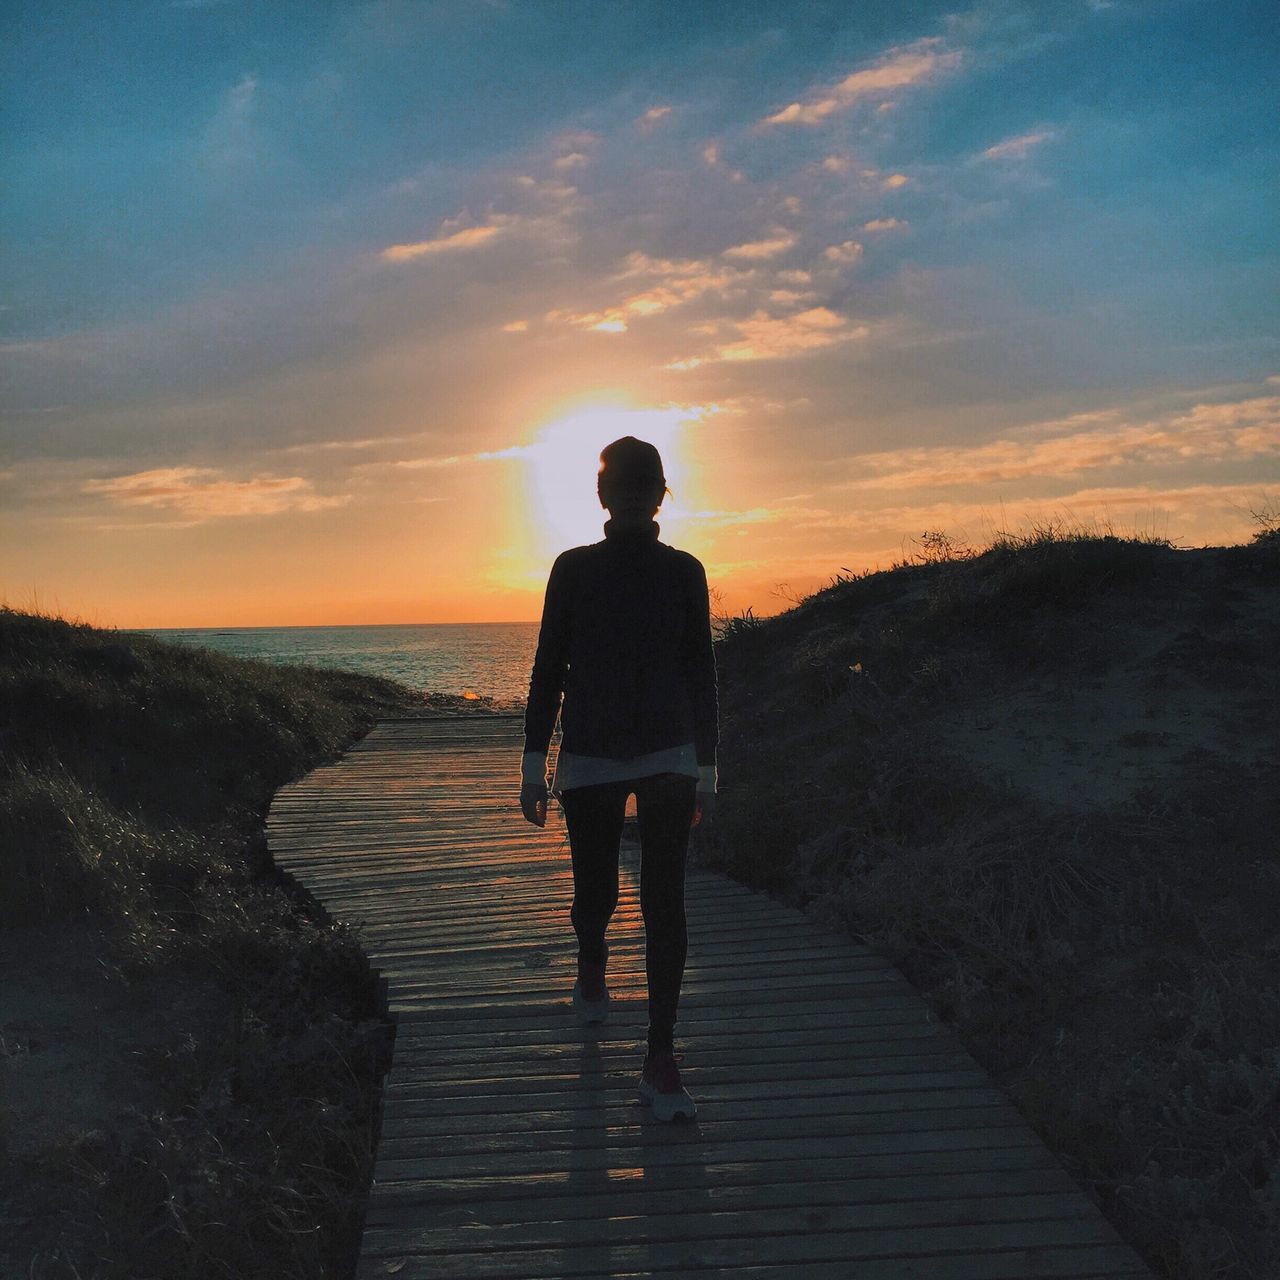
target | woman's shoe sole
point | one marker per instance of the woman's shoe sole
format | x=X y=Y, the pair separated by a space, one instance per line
x=590 y=1012
x=668 y=1106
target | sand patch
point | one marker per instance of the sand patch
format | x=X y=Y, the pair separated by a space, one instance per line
x=70 y=1037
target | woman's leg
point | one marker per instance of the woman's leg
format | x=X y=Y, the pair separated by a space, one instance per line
x=593 y=817
x=664 y=812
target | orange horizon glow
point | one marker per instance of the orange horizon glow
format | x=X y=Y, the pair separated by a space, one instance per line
x=194 y=549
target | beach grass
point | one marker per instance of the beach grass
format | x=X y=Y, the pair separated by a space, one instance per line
x=1041 y=777
x=236 y=1073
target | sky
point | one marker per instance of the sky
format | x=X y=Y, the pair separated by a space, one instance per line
x=321 y=313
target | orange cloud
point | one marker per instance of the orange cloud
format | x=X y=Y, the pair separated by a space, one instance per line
x=1211 y=506
x=730 y=519
x=1206 y=433
x=454 y=459
x=651 y=118
x=766 y=337
x=779 y=241
x=843 y=254
x=314 y=446
x=467 y=238
x=900 y=68
x=674 y=282
x=202 y=493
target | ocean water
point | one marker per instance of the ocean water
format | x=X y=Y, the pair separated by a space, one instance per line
x=491 y=659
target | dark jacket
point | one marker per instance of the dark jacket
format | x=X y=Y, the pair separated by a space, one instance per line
x=626 y=637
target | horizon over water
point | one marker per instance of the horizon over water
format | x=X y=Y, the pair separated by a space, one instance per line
x=489 y=659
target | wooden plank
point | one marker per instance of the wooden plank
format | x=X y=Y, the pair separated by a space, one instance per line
x=1099 y=1262
x=798 y=1246
x=624 y=1195
x=682 y=1145
x=546 y=1043
x=403 y=1139
x=554 y=1124
x=841 y=1128
x=431 y=1099
x=711 y=1222
x=494 y=1187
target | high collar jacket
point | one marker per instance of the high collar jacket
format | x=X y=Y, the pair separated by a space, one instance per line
x=626 y=642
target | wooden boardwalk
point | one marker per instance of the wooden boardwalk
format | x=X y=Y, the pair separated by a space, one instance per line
x=841 y=1131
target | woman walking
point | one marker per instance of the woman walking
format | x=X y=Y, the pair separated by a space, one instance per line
x=626 y=639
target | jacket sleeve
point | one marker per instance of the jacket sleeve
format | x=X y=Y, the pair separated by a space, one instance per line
x=550 y=663
x=700 y=662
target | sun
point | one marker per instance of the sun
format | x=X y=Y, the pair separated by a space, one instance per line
x=564 y=459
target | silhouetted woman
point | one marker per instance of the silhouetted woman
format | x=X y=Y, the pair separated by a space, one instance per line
x=626 y=638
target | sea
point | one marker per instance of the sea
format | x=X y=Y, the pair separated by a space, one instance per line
x=486 y=659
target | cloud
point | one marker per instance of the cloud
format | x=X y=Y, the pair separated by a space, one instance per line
x=899 y=68
x=313 y=446
x=611 y=320
x=885 y=224
x=1210 y=433
x=843 y=254
x=714 y=158
x=534 y=207
x=779 y=241
x=790 y=297
x=766 y=337
x=458 y=459
x=651 y=118
x=894 y=181
x=1217 y=510
x=574 y=160
x=231 y=140
x=450 y=242
x=671 y=282
x=203 y=492
x=730 y=519
x=546 y=192
x=1017 y=148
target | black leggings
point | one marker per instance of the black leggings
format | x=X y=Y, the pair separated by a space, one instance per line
x=664 y=812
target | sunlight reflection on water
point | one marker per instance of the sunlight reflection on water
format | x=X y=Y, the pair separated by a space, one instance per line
x=490 y=659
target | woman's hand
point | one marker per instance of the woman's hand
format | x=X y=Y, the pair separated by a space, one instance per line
x=533 y=803
x=704 y=809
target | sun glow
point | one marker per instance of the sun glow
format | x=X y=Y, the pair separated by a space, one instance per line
x=564 y=460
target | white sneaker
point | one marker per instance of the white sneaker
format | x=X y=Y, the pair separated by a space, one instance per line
x=660 y=1086
x=590 y=1011
x=590 y=995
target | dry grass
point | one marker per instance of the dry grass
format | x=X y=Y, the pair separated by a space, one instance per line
x=134 y=780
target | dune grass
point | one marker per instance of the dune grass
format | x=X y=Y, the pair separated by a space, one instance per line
x=1114 y=963
x=135 y=776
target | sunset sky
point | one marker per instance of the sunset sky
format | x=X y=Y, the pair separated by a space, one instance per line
x=321 y=313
